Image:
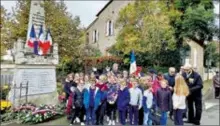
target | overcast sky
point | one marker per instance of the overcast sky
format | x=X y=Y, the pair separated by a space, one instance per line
x=85 y=9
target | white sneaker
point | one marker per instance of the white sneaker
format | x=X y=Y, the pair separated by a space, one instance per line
x=71 y=124
x=82 y=124
x=185 y=119
x=113 y=122
x=110 y=122
x=77 y=120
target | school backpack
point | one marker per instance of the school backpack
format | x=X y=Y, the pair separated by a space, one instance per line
x=155 y=114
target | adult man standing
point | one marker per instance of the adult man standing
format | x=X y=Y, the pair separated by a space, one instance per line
x=153 y=74
x=195 y=84
x=216 y=84
x=170 y=77
x=115 y=69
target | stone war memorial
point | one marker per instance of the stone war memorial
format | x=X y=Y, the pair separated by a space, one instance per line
x=35 y=63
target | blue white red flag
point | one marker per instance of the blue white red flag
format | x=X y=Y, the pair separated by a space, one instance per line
x=133 y=66
x=41 y=39
x=32 y=37
x=45 y=46
x=49 y=38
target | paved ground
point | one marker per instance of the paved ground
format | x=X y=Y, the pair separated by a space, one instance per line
x=210 y=115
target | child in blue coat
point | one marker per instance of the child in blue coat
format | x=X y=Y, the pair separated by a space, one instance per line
x=123 y=101
x=91 y=101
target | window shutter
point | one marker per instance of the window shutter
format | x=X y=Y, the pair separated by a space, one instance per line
x=112 y=28
x=97 y=35
x=107 y=28
x=93 y=36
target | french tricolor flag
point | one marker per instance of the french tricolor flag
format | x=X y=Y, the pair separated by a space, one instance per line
x=32 y=41
x=133 y=66
x=49 y=38
x=41 y=39
x=45 y=46
x=32 y=37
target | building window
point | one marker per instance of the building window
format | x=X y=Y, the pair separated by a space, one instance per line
x=109 y=28
x=95 y=36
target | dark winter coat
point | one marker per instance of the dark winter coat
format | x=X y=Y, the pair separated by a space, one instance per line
x=67 y=86
x=78 y=98
x=170 y=79
x=123 y=99
x=196 y=86
x=164 y=99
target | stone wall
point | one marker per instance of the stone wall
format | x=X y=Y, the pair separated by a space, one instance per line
x=109 y=13
x=197 y=57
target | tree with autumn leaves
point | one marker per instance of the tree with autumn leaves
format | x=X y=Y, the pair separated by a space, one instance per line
x=4 y=36
x=65 y=28
x=156 y=30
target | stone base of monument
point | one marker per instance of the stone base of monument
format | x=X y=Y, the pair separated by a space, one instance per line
x=49 y=99
x=35 y=84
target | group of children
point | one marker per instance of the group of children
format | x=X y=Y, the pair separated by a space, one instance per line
x=108 y=94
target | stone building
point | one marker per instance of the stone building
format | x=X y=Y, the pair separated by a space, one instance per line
x=101 y=32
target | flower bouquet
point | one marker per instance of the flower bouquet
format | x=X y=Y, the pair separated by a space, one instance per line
x=32 y=114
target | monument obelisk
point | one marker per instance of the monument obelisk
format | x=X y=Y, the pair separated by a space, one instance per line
x=36 y=70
